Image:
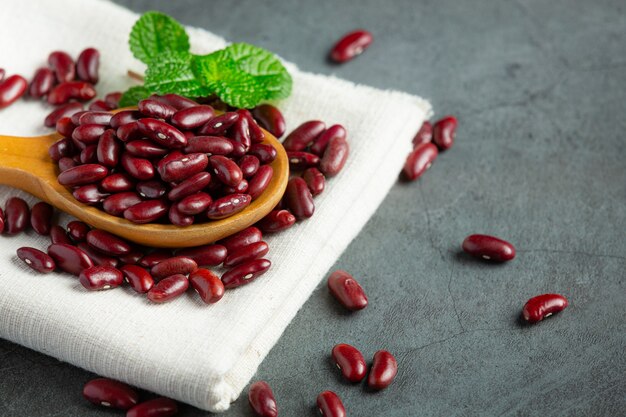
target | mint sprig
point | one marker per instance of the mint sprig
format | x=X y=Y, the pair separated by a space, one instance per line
x=241 y=74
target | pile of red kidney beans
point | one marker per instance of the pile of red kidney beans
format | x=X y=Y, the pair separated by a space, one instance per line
x=175 y=160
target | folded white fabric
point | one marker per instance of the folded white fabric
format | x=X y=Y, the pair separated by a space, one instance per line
x=202 y=355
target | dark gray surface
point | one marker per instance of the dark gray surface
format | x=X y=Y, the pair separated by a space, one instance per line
x=539 y=88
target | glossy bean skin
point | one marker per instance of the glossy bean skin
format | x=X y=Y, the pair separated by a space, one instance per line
x=124 y=117
x=178 y=218
x=211 y=145
x=144 y=148
x=299 y=161
x=298 y=198
x=424 y=135
x=61 y=148
x=172 y=266
x=315 y=180
x=542 y=306
x=151 y=189
x=276 y=221
x=77 y=230
x=383 y=370
x=129 y=132
x=351 y=45
x=243 y=238
x=190 y=186
x=444 y=131
x=108 y=149
x=419 y=161
x=89 y=194
x=63 y=66
x=66 y=163
x=260 y=181
x=249 y=165
x=88 y=155
x=100 y=278
x=321 y=142
x=194 y=203
x=146 y=211
x=270 y=118
x=82 y=174
x=489 y=248
x=117 y=204
x=11 y=89
x=113 y=99
x=41 y=218
x=245 y=273
x=156 y=109
x=219 y=124
x=58 y=235
x=192 y=117
x=69 y=258
x=347 y=290
x=64 y=92
x=95 y=117
x=261 y=399
x=162 y=133
x=153 y=258
x=100 y=105
x=65 y=127
x=207 y=255
x=42 y=83
x=168 y=288
x=350 y=362
x=107 y=243
x=110 y=393
x=175 y=100
x=158 y=407
x=241 y=188
x=329 y=405
x=227 y=206
x=138 y=168
x=98 y=258
x=208 y=285
x=335 y=156
x=256 y=133
x=180 y=168
x=16 y=215
x=226 y=170
x=36 y=259
x=66 y=110
x=87 y=65
x=131 y=257
x=303 y=135
x=138 y=278
x=247 y=253
x=265 y=153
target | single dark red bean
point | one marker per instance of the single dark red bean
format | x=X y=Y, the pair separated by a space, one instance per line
x=110 y=393
x=63 y=66
x=69 y=258
x=265 y=153
x=174 y=100
x=419 y=160
x=315 y=180
x=192 y=117
x=241 y=239
x=228 y=205
x=321 y=142
x=444 y=131
x=42 y=83
x=59 y=235
x=168 y=288
x=335 y=156
x=16 y=215
x=151 y=189
x=36 y=259
x=260 y=181
x=226 y=170
x=241 y=188
x=158 y=407
x=144 y=148
x=212 y=145
x=117 y=204
x=156 y=109
x=208 y=285
x=87 y=65
x=424 y=135
x=194 y=203
x=276 y=221
x=78 y=230
x=179 y=218
x=95 y=117
x=41 y=218
x=66 y=163
x=190 y=186
x=116 y=183
x=350 y=362
x=270 y=118
x=98 y=258
x=347 y=290
x=383 y=371
x=107 y=243
x=219 y=124
x=299 y=161
x=206 y=255
x=240 y=132
x=100 y=105
x=249 y=165
x=76 y=116
x=138 y=278
x=146 y=211
x=61 y=148
x=489 y=248
x=124 y=117
x=329 y=405
x=255 y=133
x=88 y=194
x=298 y=198
x=261 y=399
x=139 y=168
x=247 y=253
x=351 y=45
x=128 y=132
x=89 y=155
x=66 y=110
x=101 y=278
x=542 y=306
x=82 y=174
x=304 y=135
x=108 y=149
x=245 y=273
x=131 y=257
x=183 y=167
x=173 y=265
x=11 y=89
x=65 y=127
x=162 y=133
x=64 y=92
x=153 y=258
x=113 y=99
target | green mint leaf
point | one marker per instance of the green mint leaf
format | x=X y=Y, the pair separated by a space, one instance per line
x=172 y=73
x=134 y=95
x=155 y=33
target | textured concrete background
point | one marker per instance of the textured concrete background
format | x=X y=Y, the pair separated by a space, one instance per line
x=539 y=88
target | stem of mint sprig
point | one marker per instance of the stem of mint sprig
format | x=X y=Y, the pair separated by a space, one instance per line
x=241 y=75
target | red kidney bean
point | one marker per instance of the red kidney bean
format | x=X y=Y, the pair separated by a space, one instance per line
x=265 y=153
x=261 y=399
x=156 y=109
x=88 y=155
x=227 y=206
x=383 y=371
x=128 y=132
x=315 y=180
x=145 y=148
x=347 y=290
x=16 y=215
x=77 y=230
x=113 y=99
x=61 y=148
x=419 y=161
x=298 y=198
x=42 y=83
x=303 y=135
x=247 y=253
x=208 y=285
x=301 y=160
x=76 y=116
x=424 y=135
x=179 y=218
x=110 y=393
x=66 y=110
x=87 y=65
x=241 y=188
x=36 y=259
x=255 y=132
x=207 y=255
x=276 y=221
x=351 y=45
x=1 y=212
x=240 y=132
x=542 y=306
x=183 y=167
x=241 y=239
x=101 y=278
x=350 y=362
x=58 y=235
x=65 y=127
x=489 y=248
x=108 y=149
x=82 y=174
x=321 y=142
x=190 y=186
x=116 y=183
x=270 y=118
x=245 y=273
x=139 y=168
x=120 y=202
x=193 y=117
x=212 y=145
x=66 y=163
x=100 y=105
x=153 y=258
x=131 y=257
x=138 y=278
x=444 y=132
x=330 y=405
x=249 y=165
x=194 y=204
x=124 y=117
x=162 y=133
x=168 y=288
x=335 y=156
x=96 y=257
x=11 y=89
x=226 y=170
x=107 y=243
x=173 y=265
x=151 y=189
x=174 y=100
x=64 y=92
x=158 y=407
x=69 y=258
x=219 y=124
x=88 y=194
x=146 y=211
x=63 y=66
x=95 y=117
x=41 y=218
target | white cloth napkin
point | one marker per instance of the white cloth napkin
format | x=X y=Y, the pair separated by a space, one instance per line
x=202 y=355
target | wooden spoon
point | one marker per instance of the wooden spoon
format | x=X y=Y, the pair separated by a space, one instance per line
x=25 y=164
